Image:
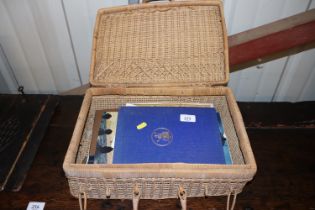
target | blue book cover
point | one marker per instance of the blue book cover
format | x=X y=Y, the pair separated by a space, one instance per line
x=168 y=135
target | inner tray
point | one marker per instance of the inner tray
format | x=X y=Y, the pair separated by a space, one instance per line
x=113 y=102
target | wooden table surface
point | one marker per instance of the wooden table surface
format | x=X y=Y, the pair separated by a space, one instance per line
x=282 y=137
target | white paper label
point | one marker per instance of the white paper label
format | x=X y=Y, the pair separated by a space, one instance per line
x=187 y=118
x=35 y=205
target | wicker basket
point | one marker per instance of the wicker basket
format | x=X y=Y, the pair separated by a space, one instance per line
x=172 y=52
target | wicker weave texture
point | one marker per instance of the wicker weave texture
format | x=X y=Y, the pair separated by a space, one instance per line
x=154 y=188
x=164 y=45
x=110 y=102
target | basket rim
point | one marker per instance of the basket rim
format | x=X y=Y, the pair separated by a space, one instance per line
x=80 y=170
x=161 y=6
x=248 y=169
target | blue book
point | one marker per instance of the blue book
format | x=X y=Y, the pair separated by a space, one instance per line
x=168 y=135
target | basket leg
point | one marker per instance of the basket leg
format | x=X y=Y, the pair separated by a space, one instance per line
x=182 y=197
x=84 y=205
x=135 y=198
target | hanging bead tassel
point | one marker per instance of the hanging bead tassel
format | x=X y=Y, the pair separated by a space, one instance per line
x=82 y=196
x=183 y=197
x=228 y=207
x=136 y=197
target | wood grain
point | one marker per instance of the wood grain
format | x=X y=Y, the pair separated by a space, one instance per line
x=271 y=28
x=273 y=46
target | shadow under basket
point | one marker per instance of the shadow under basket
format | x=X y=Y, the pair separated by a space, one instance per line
x=158 y=181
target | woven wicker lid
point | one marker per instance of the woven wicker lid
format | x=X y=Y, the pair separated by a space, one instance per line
x=169 y=44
